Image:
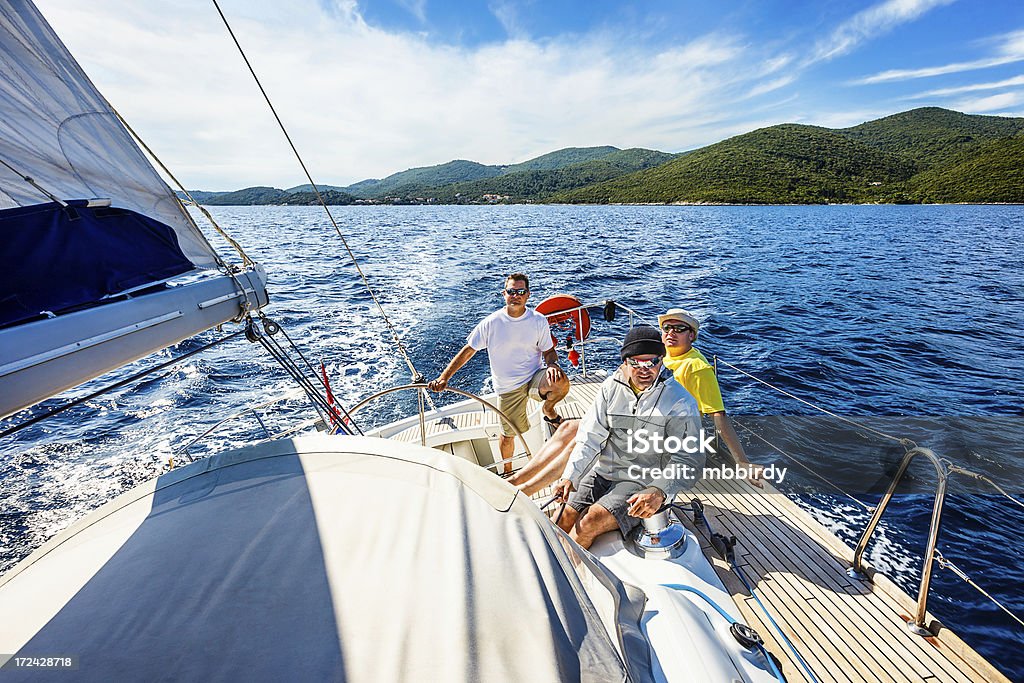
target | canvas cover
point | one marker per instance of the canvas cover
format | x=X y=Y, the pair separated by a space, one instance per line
x=56 y=128
x=324 y=558
x=59 y=258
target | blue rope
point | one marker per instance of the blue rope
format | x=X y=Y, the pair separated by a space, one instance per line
x=743 y=578
x=728 y=617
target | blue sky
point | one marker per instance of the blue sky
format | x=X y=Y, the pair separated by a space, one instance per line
x=372 y=87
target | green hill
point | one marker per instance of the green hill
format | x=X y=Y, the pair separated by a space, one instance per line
x=927 y=154
x=330 y=197
x=994 y=172
x=199 y=195
x=561 y=158
x=323 y=188
x=933 y=136
x=537 y=185
x=788 y=163
x=250 y=195
x=405 y=182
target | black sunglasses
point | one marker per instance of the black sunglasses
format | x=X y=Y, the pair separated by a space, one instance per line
x=670 y=327
x=511 y=291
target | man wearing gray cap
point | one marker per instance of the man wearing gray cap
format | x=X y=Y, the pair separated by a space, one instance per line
x=633 y=445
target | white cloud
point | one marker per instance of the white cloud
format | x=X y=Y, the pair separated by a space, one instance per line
x=869 y=24
x=974 y=87
x=956 y=67
x=417 y=8
x=360 y=102
x=990 y=103
x=770 y=86
x=507 y=15
x=1010 y=49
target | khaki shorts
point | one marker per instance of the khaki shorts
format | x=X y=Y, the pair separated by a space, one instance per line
x=513 y=403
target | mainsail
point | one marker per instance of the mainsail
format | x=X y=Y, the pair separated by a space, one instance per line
x=89 y=231
x=58 y=130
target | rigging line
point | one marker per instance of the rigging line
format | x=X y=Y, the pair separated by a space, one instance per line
x=947 y=564
x=286 y=364
x=797 y=460
x=246 y=261
x=289 y=366
x=417 y=377
x=227 y=269
x=315 y=374
x=116 y=385
x=292 y=368
x=730 y=559
x=956 y=469
x=906 y=443
x=33 y=183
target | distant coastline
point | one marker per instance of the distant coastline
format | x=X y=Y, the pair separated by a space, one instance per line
x=922 y=156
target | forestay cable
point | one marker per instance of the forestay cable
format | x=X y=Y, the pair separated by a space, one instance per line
x=417 y=378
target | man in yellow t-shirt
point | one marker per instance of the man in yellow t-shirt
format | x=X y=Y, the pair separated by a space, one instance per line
x=692 y=370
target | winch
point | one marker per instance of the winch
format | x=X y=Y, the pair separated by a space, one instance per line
x=661 y=535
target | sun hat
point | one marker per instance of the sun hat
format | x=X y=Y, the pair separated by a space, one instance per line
x=679 y=314
x=642 y=340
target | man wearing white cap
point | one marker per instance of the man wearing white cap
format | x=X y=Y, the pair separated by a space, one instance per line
x=692 y=370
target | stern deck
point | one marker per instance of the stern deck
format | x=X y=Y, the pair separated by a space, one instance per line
x=845 y=629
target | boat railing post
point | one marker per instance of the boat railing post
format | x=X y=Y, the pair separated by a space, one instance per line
x=917 y=624
x=260 y=420
x=583 y=342
x=718 y=444
x=420 y=396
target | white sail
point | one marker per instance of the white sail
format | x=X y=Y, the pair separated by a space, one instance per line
x=57 y=129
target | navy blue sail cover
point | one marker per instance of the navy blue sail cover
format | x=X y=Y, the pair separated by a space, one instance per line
x=57 y=259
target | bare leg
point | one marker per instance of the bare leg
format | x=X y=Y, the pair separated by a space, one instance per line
x=547 y=465
x=568 y=519
x=507 y=446
x=552 y=394
x=595 y=522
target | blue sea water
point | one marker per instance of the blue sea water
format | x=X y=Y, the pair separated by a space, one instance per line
x=907 y=318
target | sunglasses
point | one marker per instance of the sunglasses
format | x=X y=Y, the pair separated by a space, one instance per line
x=643 y=364
x=671 y=327
x=512 y=291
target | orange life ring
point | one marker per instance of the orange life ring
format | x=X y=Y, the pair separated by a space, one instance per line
x=559 y=311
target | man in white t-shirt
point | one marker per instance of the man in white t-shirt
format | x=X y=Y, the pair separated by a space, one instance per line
x=524 y=362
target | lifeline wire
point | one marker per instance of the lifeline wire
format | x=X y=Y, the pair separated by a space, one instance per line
x=797 y=460
x=946 y=564
x=950 y=468
x=906 y=443
x=416 y=376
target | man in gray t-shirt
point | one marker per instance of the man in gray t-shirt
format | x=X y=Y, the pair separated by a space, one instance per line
x=524 y=362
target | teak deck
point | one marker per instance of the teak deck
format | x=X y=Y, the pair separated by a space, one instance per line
x=844 y=629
